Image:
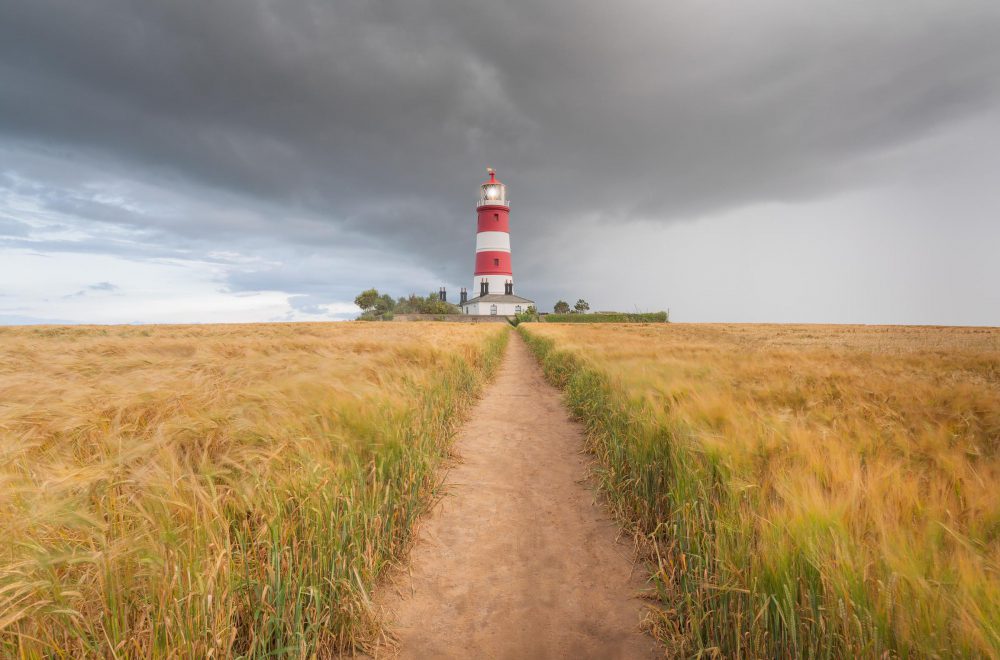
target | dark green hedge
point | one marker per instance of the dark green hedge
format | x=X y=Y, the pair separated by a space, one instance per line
x=618 y=317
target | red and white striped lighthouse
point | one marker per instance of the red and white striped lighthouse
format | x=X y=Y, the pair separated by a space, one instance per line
x=493 y=268
x=493 y=282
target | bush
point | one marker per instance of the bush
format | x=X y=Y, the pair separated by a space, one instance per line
x=528 y=315
x=377 y=306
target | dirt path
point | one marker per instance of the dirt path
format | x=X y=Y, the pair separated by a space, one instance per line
x=517 y=560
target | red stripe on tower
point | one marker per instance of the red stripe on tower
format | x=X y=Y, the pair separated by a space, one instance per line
x=493 y=262
x=494 y=218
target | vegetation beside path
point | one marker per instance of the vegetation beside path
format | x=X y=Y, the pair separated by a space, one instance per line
x=217 y=491
x=805 y=491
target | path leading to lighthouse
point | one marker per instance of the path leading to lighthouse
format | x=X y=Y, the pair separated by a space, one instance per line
x=518 y=559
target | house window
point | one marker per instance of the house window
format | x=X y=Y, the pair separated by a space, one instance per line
x=493 y=310
x=496 y=262
x=517 y=310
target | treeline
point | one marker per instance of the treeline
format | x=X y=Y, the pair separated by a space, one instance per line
x=562 y=307
x=377 y=306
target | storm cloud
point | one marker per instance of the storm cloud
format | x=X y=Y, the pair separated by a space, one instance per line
x=315 y=147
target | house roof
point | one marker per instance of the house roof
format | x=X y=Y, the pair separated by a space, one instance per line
x=499 y=298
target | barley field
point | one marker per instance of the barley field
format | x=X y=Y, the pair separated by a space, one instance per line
x=801 y=491
x=217 y=491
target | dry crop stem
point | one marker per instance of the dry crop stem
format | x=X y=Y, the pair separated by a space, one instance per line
x=819 y=491
x=216 y=491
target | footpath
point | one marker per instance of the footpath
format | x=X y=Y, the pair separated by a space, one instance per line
x=517 y=559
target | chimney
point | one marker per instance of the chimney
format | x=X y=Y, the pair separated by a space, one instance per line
x=443 y=295
x=508 y=287
x=484 y=287
x=464 y=296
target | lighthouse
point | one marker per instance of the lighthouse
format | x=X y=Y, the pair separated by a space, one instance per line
x=493 y=279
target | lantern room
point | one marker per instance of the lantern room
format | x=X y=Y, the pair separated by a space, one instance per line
x=493 y=193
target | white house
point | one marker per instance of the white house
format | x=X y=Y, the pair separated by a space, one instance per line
x=495 y=304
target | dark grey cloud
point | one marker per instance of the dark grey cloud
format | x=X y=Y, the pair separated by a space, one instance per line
x=319 y=127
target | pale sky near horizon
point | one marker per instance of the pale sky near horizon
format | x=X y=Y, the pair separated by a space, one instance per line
x=181 y=161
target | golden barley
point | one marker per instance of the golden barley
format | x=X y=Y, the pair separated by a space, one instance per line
x=216 y=490
x=812 y=490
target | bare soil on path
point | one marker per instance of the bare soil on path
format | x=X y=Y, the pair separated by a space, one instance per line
x=518 y=559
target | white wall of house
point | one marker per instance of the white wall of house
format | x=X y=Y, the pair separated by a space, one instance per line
x=494 y=309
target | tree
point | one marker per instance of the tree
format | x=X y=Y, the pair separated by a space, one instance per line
x=582 y=306
x=561 y=307
x=375 y=305
x=367 y=300
x=384 y=305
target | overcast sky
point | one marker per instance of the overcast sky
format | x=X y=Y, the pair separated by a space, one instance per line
x=238 y=160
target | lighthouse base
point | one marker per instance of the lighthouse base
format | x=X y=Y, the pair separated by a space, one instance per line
x=493 y=304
